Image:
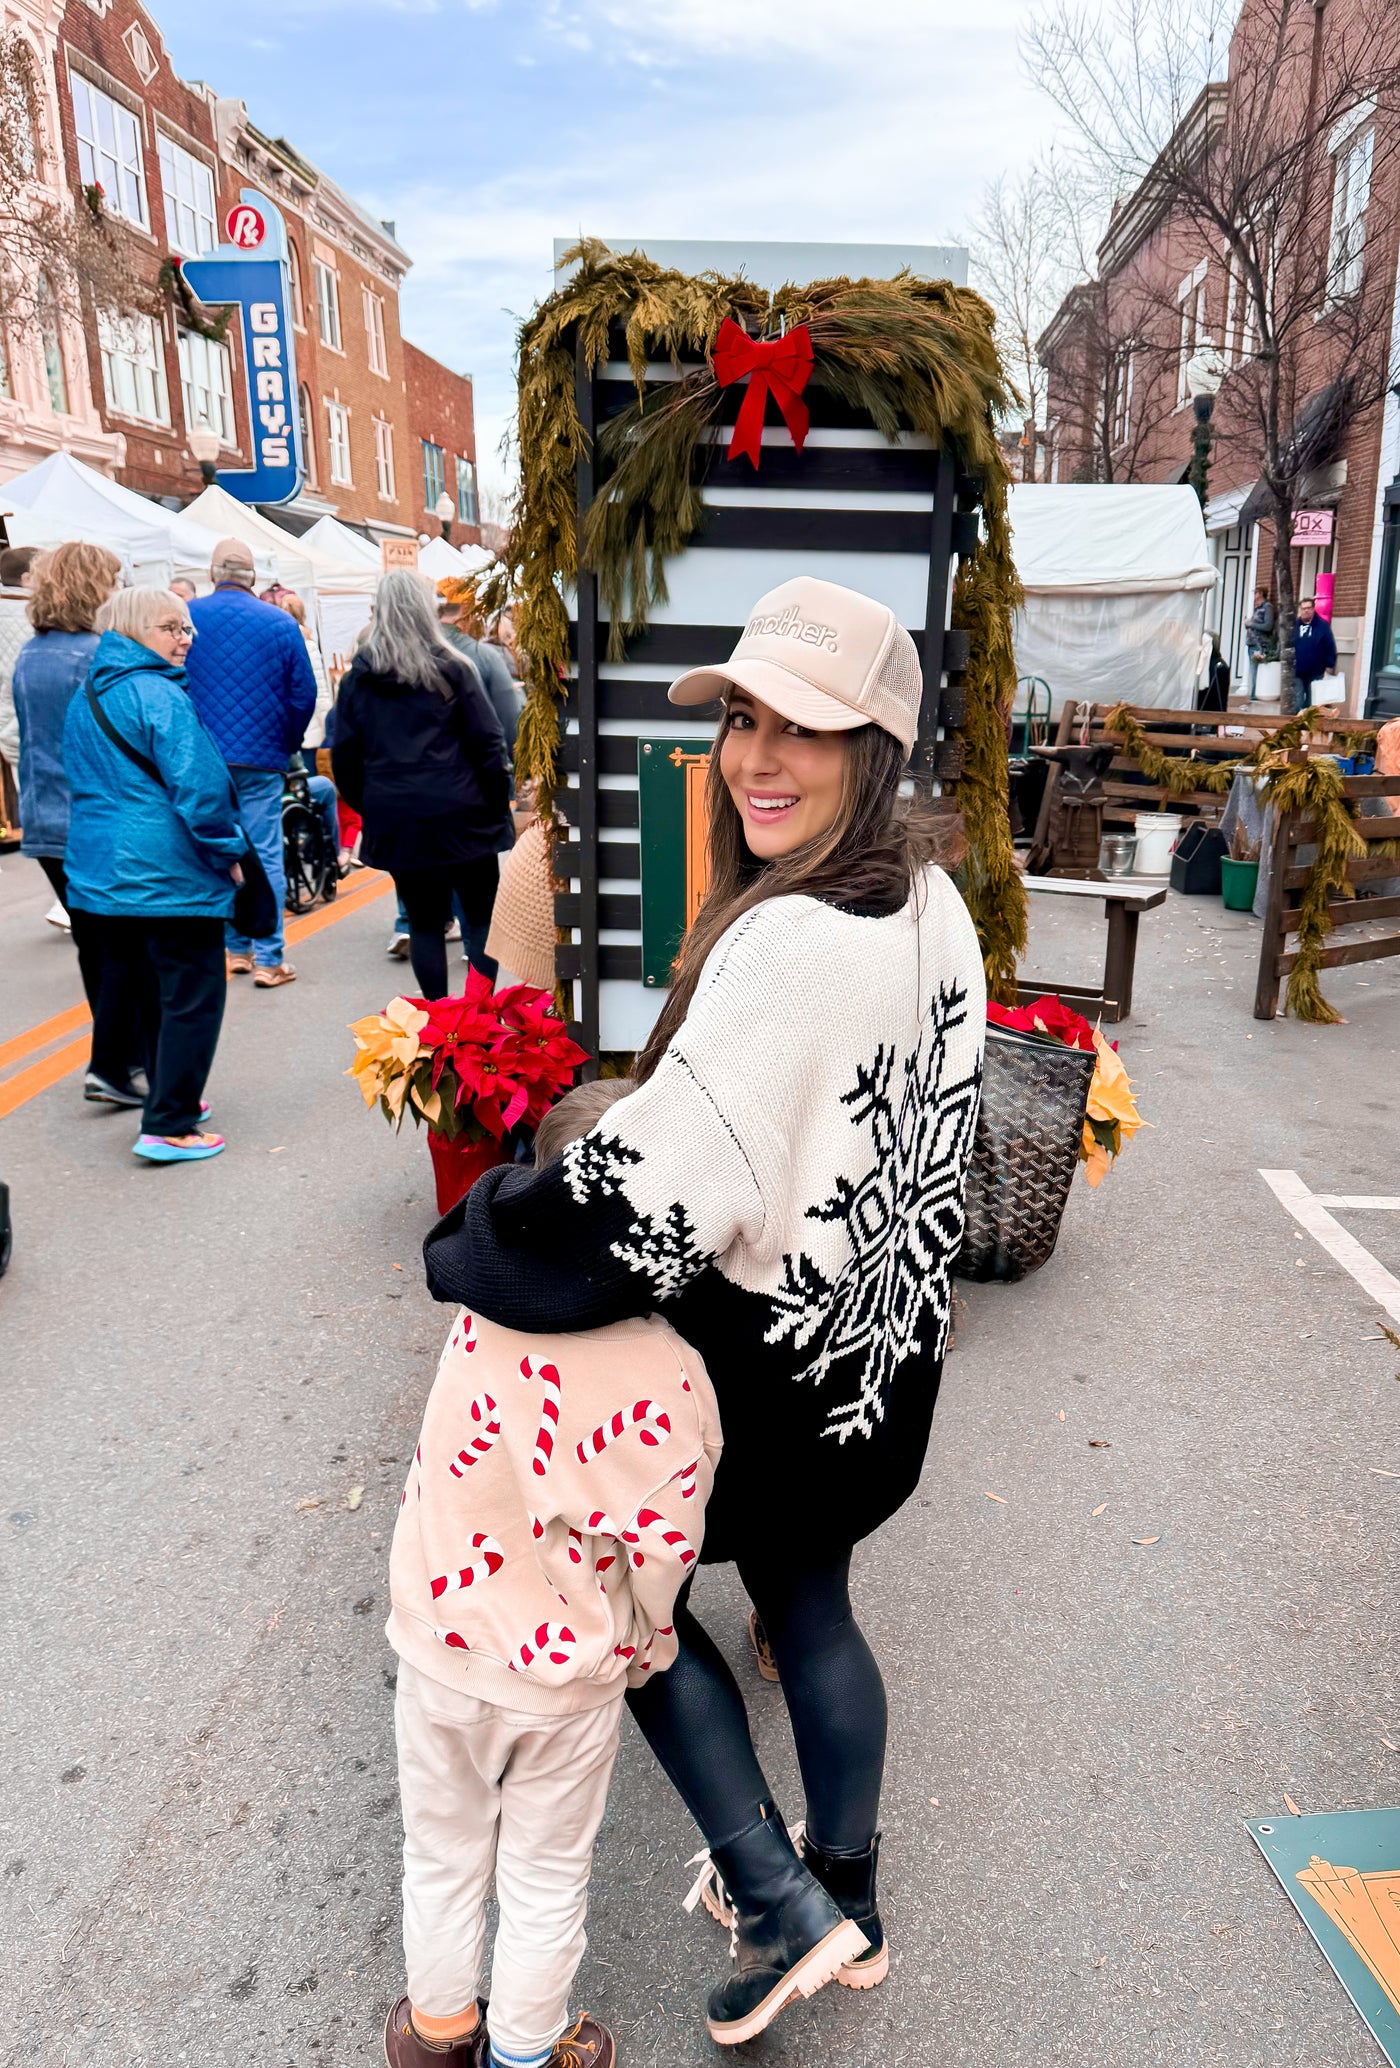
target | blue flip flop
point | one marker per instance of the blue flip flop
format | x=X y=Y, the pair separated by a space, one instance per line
x=156 y=1149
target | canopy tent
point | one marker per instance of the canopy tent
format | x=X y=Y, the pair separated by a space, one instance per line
x=1117 y=577
x=329 y=536
x=300 y=564
x=62 y=499
x=438 y=559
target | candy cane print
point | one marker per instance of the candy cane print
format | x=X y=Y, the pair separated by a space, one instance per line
x=489 y=1559
x=653 y=1425
x=549 y=1413
x=463 y=1336
x=647 y=1518
x=453 y=1639
x=685 y=1479
x=552 y=1641
x=482 y=1412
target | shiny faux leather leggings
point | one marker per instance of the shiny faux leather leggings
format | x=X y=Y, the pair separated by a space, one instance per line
x=693 y=1717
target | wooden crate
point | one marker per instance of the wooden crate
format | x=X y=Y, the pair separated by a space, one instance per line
x=1293 y=830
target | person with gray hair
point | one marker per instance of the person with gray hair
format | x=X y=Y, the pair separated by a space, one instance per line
x=420 y=755
x=252 y=684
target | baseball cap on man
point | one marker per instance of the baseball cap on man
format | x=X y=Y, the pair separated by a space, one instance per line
x=821 y=656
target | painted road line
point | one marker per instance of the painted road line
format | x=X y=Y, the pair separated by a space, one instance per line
x=16 y=1091
x=28 y=1044
x=1363 y=1202
x=1309 y=1212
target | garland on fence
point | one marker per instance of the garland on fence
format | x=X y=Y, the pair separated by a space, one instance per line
x=1314 y=787
x=910 y=355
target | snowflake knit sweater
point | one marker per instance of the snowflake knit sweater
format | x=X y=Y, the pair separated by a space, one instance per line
x=787 y=1189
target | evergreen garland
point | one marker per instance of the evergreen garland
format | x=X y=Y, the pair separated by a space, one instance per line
x=911 y=355
x=1314 y=787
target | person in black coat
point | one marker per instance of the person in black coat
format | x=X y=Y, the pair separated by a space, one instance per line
x=1314 y=651
x=420 y=754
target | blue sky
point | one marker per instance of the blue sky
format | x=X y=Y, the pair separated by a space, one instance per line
x=486 y=128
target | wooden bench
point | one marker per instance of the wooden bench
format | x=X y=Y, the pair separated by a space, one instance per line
x=1124 y=906
x=1293 y=830
x=1128 y=790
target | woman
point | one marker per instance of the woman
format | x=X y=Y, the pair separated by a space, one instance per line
x=786 y=1187
x=153 y=852
x=67 y=589
x=418 y=752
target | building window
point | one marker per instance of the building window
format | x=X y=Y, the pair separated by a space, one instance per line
x=1351 y=191
x=1191 y=299
x=308 y=443
x=384 y=459
x=374 y=334
x=327 y=303
x=338 y=438
x=434 y=474
x=7 y=393
x=1122 y=398
x=466 y=491
x=294 y=283
x=109 y=151
x=206 y=383
x=52 y=343
x=189 y=200
x=133 y=366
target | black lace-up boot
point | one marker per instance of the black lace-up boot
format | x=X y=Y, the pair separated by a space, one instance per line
x=849 y=1879
x=789 y=1938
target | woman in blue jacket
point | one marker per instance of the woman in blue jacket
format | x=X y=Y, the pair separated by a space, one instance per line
x=70 y=586
x=153 y=859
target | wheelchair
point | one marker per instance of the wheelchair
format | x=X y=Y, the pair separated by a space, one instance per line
x=309 y=858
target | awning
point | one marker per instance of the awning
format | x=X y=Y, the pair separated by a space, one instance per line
x=1223 y=512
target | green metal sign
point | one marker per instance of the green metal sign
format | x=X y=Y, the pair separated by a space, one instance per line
x=672 y=819
x=1342 y=1871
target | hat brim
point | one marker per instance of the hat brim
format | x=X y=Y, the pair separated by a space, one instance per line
x=787 y=694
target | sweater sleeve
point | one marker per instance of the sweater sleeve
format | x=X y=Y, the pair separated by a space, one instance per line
x=347 y=745
x=661 y=1188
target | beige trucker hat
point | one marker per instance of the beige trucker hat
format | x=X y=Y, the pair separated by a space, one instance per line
x=821 y=656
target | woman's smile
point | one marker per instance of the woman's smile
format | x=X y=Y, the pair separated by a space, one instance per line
x=785 y=780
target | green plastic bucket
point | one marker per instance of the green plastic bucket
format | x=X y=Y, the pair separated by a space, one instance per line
x=1238 y=883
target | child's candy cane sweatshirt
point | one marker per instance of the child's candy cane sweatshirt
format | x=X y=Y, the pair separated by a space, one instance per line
x=554 y=1506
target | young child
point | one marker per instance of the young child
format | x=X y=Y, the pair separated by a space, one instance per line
x=553 y=1510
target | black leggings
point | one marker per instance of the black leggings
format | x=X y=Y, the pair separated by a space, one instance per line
x=427 y=896
x=694 y=1718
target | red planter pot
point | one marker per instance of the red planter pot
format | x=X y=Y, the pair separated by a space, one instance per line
x=458 y=1164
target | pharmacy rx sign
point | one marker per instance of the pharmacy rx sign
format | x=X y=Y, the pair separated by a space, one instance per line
x=250 y=270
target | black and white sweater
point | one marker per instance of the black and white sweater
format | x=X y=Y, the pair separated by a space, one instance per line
x=787 y=1189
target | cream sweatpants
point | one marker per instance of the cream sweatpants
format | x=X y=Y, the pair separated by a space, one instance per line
x=489 y=1789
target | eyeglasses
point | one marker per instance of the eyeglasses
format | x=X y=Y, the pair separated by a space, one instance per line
x=176 y=629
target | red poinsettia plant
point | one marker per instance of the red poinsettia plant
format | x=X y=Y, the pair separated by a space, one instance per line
x=475 y=1065
x=1111 y=1116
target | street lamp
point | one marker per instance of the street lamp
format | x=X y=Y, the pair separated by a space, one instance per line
x=444 y=510
x=1205 y=370
x=204 y=444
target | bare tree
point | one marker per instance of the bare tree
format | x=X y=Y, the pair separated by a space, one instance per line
x=56 y=256
x=1110 y=352
x=1286 y=179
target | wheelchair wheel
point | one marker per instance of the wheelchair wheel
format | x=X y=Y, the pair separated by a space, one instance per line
x=304 y=853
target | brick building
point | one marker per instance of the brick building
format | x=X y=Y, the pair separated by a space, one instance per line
x=1118 y=349
x=443 y=432
x=171 y=157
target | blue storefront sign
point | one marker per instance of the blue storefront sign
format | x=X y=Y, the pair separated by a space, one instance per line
x=251 y=269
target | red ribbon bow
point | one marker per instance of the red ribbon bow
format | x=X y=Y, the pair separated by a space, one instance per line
x=780 y=366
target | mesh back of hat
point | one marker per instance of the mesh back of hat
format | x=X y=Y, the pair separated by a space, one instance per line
x=897 y=688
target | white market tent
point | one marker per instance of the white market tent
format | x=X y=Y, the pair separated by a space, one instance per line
x=439 y=559
x=303 y=565
x=1117 y=579
x=62 y=499
x=338 y=542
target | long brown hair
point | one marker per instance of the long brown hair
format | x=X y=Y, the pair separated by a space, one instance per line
x=868 y=857
x=70 y=585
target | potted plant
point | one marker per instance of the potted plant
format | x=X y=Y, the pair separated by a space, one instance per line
x=1239 y=871
x=470 y=1068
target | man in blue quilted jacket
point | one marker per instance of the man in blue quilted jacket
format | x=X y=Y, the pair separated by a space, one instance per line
x=252 y=684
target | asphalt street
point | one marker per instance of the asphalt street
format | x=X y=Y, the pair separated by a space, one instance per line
x=1178 y=1608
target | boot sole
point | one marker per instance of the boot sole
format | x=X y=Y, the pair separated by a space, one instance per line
x=866 y=1974
x=815 y=1969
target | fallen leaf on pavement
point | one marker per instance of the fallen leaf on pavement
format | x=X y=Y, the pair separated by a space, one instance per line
x=1100 y=1443
x=997 y=1498
x=1292 y=1807
x=311 y=1501
x=1381 y=1472
x=1147 y=1540
x=1389 y=1743
x=354 y=1497
x=277 y=1152
x=934 y=1803
x=1099 y=1510
x=1062 y=1414
x=396 y=1267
